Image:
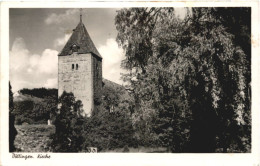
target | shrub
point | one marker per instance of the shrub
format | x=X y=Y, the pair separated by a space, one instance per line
x=69 y=125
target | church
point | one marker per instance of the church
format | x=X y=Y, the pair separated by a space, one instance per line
x=80 y=68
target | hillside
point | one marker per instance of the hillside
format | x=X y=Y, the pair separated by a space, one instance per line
x=39 y=94
x=34 y=106
x=23 y=97
x=120 y=88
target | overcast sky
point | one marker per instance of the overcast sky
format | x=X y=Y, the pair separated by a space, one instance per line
x=38 y=35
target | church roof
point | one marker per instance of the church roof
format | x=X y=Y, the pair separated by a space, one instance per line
x=82 y=40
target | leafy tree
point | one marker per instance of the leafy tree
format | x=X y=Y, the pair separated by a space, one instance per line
x=108 y=131
x=198 y=77
x=12 y=129
x=110 y=125
x=110 y=97
x=69 y=125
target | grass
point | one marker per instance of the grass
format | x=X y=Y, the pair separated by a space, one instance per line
x=140 y=149
x=33 y=138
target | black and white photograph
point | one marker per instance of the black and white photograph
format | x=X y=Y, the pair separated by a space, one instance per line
x=130 y=80
x=130 y=83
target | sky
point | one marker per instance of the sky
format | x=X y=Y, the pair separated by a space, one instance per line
x=37 y=35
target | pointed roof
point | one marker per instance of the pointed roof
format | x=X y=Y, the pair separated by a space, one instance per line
x=80 y=38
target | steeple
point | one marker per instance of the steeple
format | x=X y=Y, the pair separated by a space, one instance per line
x=80 y=68
x=82 y=40
x=80 y=14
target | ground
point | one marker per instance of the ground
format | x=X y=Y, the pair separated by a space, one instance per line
x=33 y=138
x=140 y=149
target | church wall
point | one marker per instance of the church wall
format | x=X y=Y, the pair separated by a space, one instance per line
x=78 y=80
x=97 y=77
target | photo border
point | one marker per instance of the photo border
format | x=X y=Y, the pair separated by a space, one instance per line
x=132 y=158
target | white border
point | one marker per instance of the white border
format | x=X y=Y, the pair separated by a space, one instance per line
x=248 y=159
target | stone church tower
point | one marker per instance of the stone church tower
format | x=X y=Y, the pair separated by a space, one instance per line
x=80 y=68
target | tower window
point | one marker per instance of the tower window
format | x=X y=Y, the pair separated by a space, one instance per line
x=74 y=48
x=72 y=66
x=77 y=66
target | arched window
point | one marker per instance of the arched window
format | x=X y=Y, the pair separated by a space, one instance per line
x=72 y=66
x=77 y=66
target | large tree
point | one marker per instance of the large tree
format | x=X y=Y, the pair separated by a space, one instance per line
x=69 y=121
x=190 y=76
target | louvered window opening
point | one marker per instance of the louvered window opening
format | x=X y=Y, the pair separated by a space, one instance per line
x=77 y=66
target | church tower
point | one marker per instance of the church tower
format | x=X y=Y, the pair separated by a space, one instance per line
x=80 y=68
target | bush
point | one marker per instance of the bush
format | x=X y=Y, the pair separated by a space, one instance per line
x=69 y=125
x=108 y=130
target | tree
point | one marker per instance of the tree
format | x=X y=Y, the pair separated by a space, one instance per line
x=40 y=92
x=108 y=131
x=135 y=30
x=197 y=81
x=12 y=129
x=69 y=125
x=109 y=128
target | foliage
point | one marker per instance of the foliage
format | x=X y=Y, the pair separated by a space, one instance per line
x=34 y=110
x=106 y=130
x=12 y=129
x=40 y=92
x=110 y=125
x=111 y=95
x=195 y=96
x=69 y=125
